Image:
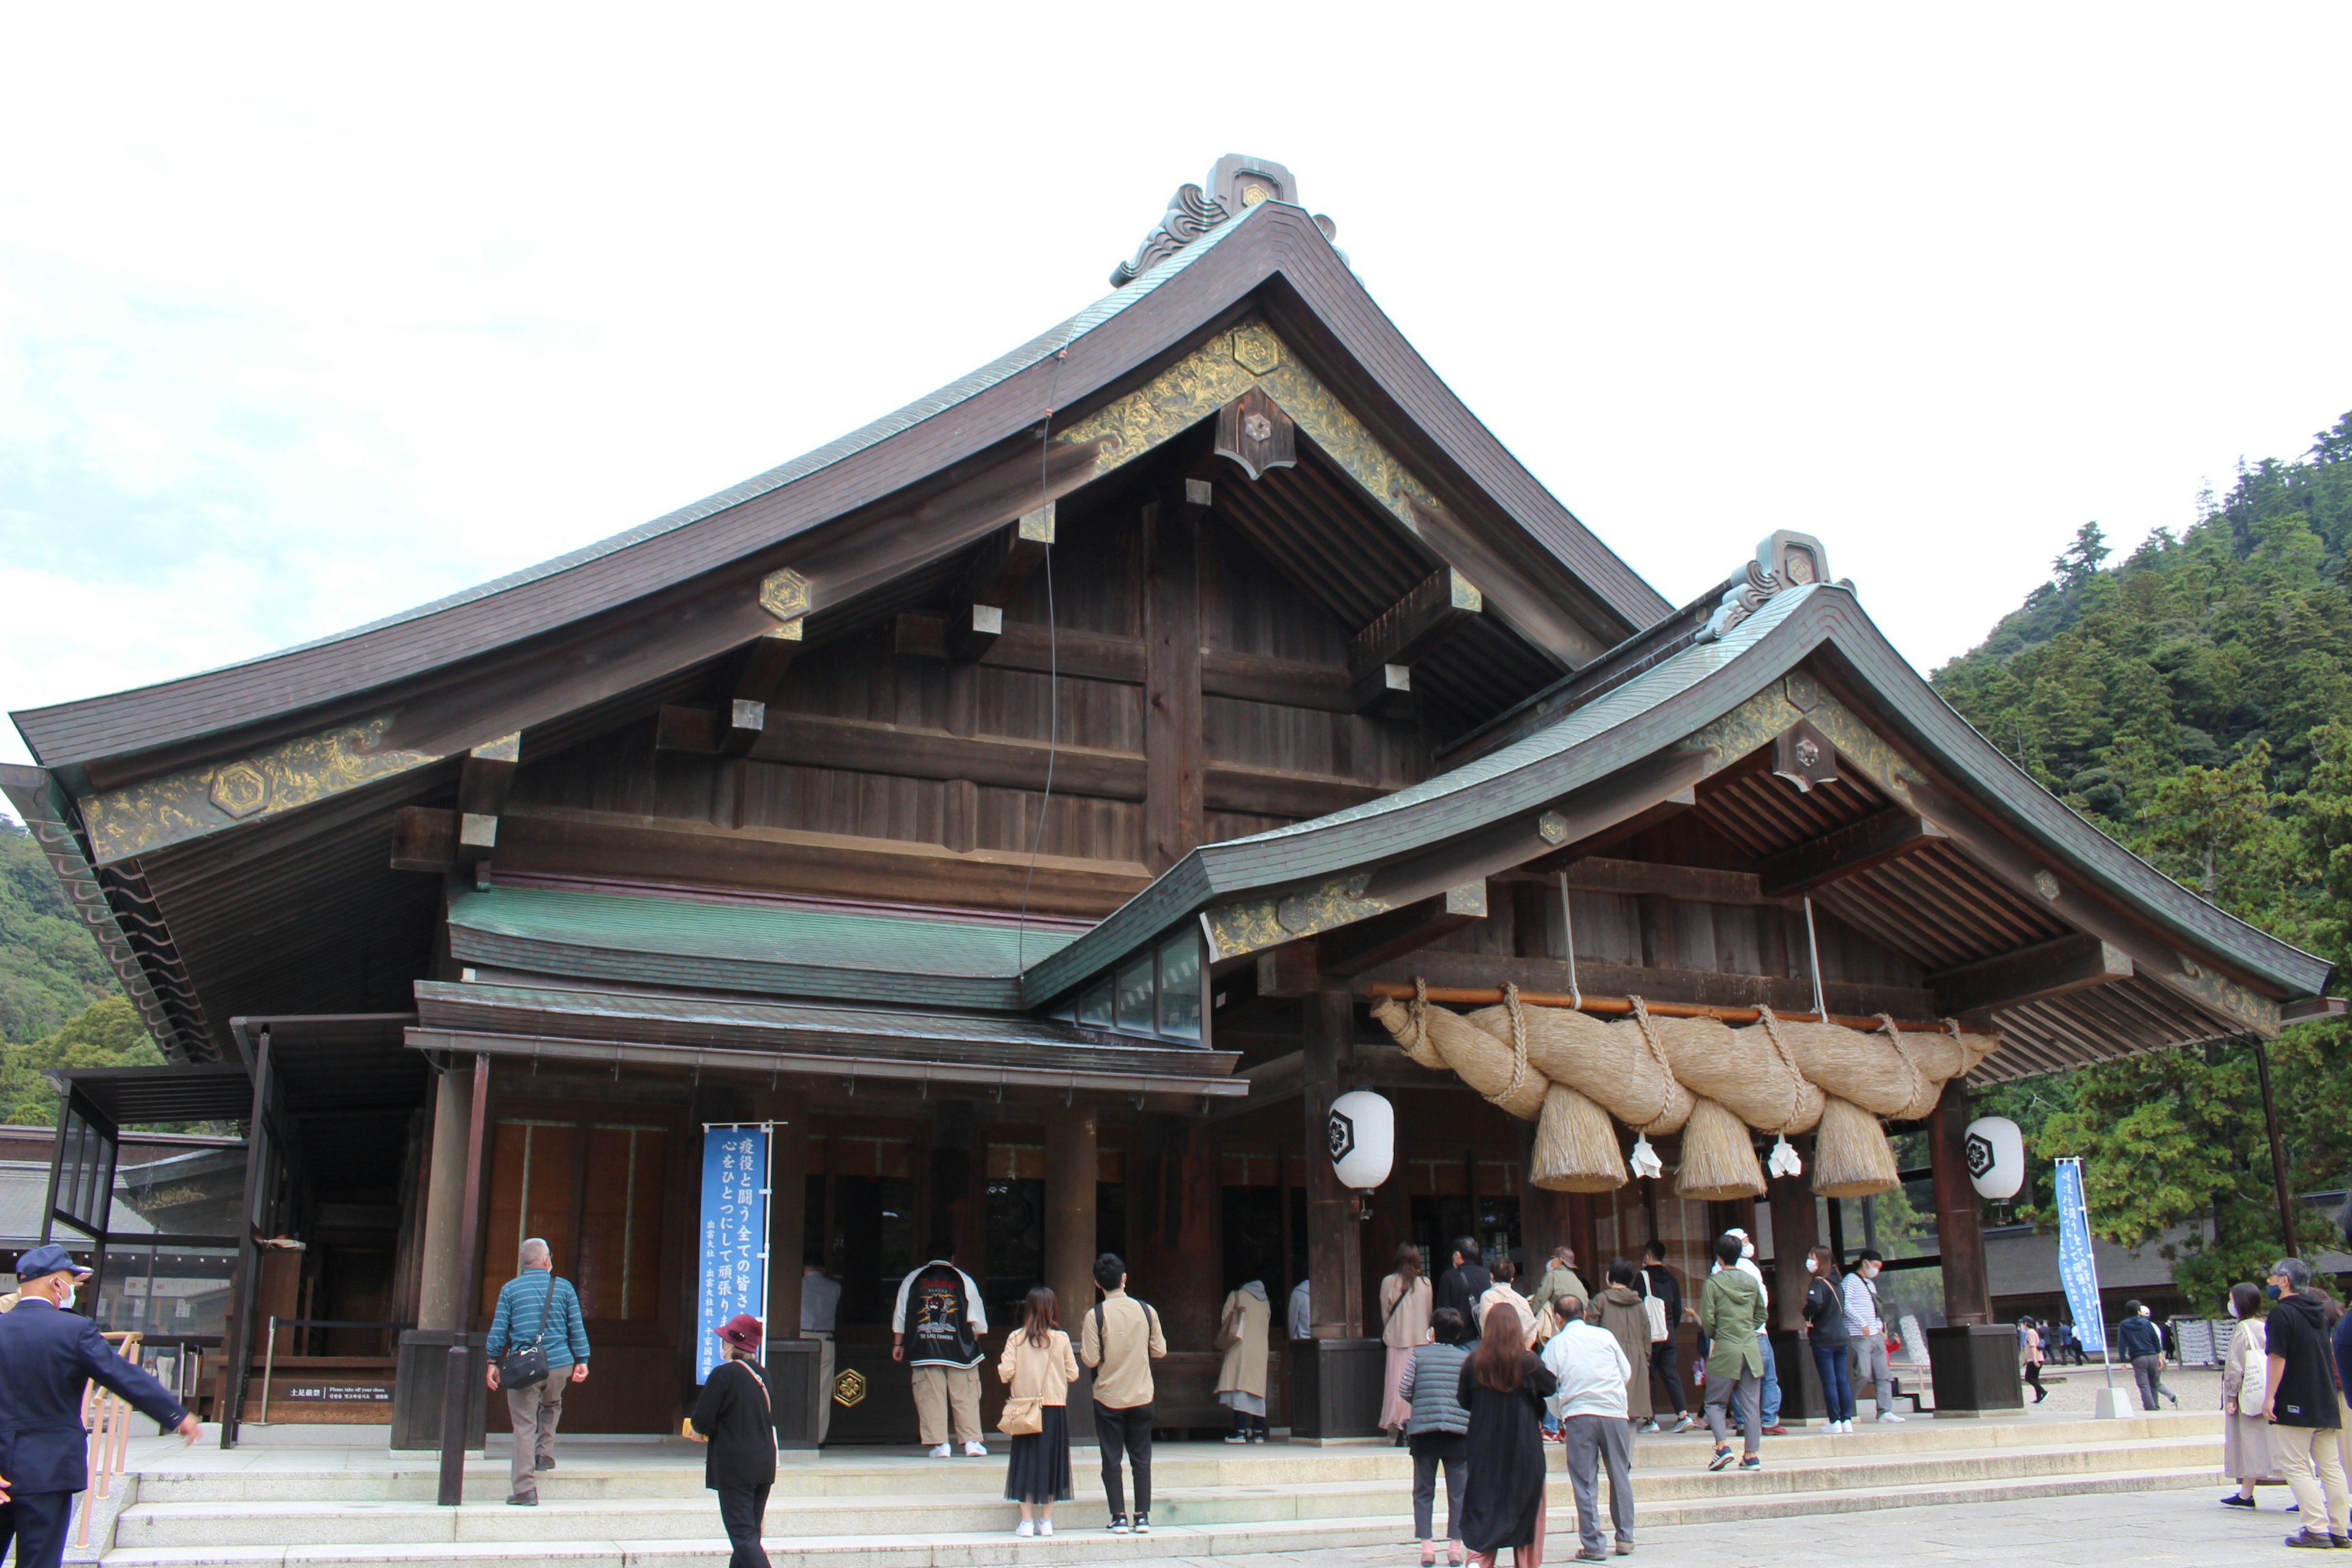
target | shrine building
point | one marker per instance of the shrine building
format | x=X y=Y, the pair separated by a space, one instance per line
x=1039 y=805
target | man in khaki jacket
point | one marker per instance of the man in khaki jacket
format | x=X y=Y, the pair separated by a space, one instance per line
x=1120 y=1339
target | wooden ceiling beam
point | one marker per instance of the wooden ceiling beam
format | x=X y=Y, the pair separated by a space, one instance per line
x=483 y=782
x=758 y=676
x=1381 y=656
x=1005 y=559
x=1846 y=851
x=2030 y=974
x=1369 y=944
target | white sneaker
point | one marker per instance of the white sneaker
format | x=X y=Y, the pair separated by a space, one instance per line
x=942 y=1452
x=1025 y=1528
x=975 y=1450
x=1044 y=1527
x=1889 y=1415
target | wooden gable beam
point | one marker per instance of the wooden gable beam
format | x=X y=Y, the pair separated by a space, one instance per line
x=1381 y=656
x=758 y=674
x=1366 y=944
x=483 y=782
x=976 y=615
x=2030 y=974
x=1845 y=852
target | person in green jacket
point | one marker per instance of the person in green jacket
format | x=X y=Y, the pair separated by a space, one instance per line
x=1730 y=1311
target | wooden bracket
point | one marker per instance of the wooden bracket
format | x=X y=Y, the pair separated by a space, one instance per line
x=758 y=674
x=976 y=613
x=1845 y=852
x=1380 y=656
x=2030 y=974
x=1369 y=944
x=483 y=782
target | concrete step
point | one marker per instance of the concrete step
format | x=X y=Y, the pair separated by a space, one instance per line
x=147 y=1524
x=989 y=1549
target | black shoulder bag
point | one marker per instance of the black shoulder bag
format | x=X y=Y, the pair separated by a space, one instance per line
x=525 y=1366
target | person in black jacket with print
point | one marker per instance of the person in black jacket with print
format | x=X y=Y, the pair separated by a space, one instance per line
x=2306 y=1422
x=735 y=1416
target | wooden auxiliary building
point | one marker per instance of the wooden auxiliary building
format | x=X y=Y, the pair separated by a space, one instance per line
x=1026 y=801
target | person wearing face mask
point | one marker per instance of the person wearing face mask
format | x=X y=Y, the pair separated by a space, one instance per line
x=2245 y=1428
x=1770 y=1380
x=1825 y=1332
x=48 y=1354
x=2306 y=1411
x=1868 y=1333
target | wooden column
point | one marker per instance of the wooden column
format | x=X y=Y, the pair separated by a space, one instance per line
x=1173 y=1232
x=1070 y=1165
x=445 y=1194
x=1546 y=1219
x=1334 y=1243
x=1960 y=1231
x=787 y=1209
x=1794 y=1234
x=458 y=1385
x=1174 y=808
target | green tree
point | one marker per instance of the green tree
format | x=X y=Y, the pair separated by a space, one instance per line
x=49 y=967
x=106 y=1033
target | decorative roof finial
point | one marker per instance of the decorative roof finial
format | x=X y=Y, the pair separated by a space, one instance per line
x=1236 y=184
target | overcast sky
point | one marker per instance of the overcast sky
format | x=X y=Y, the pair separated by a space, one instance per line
x=311 y=314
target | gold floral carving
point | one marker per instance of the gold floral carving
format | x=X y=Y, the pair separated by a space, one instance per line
x=1258 y=923
x=1220 y=370
x=183 y=805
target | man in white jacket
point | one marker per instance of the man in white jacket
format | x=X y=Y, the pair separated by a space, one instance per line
x=1591 y=1405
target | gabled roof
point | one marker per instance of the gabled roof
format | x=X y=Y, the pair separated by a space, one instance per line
x=1699 y=708
x=1274 y=254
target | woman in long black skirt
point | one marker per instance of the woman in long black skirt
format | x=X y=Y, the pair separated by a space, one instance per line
x=1037 y=1365
x=1503 y=1386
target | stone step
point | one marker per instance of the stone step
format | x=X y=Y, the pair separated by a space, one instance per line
x=147 y=1524
x=674 y=1471
x=988 y=1548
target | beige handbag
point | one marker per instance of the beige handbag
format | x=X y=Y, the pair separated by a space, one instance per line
x=1022 y=1417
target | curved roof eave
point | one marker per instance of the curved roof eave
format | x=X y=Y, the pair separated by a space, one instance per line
x=1662 y=707
x=853 y=471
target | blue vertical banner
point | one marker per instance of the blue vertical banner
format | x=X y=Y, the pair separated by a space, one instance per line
x=734 y=1235
x=2078 y=1271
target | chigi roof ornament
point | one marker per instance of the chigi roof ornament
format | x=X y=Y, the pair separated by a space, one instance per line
x=1238 y=184
x=1783 y=561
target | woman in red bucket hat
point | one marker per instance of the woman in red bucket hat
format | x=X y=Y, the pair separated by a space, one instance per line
x=734 y=1417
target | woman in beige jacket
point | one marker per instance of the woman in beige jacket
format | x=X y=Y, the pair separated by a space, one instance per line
x=1505 y=1292
x=1405 y=1303
x=1037 y=1364
x=2245 y=1389
x=1243 y=1327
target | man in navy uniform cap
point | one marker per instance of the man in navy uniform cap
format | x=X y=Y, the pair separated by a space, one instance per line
x=46 y=1354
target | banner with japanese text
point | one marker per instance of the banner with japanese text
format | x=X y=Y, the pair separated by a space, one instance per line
x=2078 y=1271
x=734 y=1275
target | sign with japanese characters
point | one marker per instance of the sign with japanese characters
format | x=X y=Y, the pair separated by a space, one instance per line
x=734 y=1275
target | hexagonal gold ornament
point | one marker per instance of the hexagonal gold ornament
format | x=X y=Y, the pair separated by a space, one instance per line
x=784 y=594
x=1256 y=349
x=240 y=789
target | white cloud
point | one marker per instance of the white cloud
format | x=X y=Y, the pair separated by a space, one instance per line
x=309 y=314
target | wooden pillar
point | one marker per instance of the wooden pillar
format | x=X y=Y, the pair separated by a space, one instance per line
x=1070 y=1165
x=1546 y=1219
x=1173 y=1233
x=1794 y=1234
x=445 y=1194
x=1174 y=808
x=458 y=1385
x=1333 y=1242
x=1960 y=1231
x=787 y=1209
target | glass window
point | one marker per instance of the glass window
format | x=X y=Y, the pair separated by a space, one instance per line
x=164 y=1290
x=1094 y=1008
x=1180 y=987
x=1133 y=989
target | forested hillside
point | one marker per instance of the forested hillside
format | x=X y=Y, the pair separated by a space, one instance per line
x=59 y=1005
x=2194 y=700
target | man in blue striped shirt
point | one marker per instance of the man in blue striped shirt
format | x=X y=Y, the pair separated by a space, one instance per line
x=536 y=1306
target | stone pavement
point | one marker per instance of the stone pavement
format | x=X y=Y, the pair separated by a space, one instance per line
x=2125 y=1529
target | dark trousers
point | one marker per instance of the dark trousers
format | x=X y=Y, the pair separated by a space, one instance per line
x=1430 y=1449
x=743 y=1511
x=1662 y=1368
x=2148 y=1372
x=1837 y=1382
x=1129 y=1429
x=2033 y=1376
x=37 y=1522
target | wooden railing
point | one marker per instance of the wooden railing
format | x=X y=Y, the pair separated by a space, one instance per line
x=106 y=1416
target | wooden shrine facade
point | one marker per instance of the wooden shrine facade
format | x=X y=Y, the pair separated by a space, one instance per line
x=1027 y=802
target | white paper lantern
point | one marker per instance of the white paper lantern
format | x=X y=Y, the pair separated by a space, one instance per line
x=1362 y=1129
x=1996 y=1155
